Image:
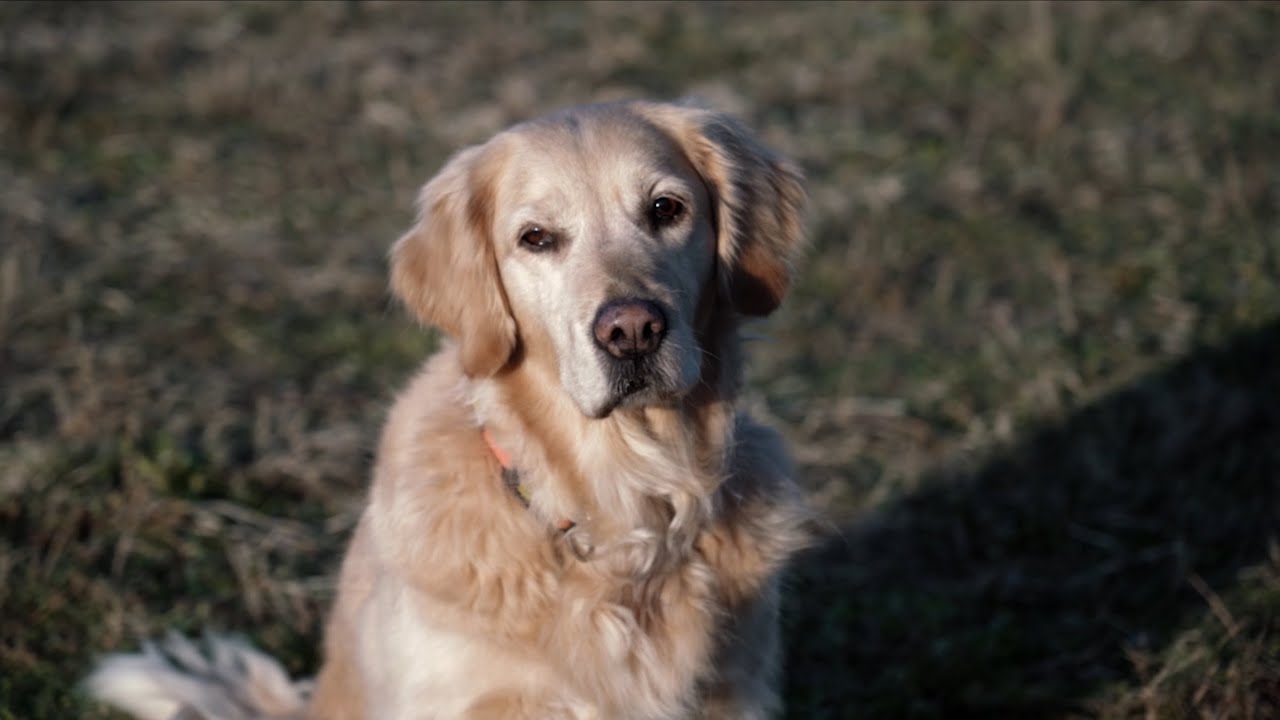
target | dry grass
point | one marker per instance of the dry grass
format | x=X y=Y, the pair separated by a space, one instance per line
x=1031 y=365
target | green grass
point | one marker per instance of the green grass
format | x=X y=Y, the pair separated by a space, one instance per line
x=1030 y=368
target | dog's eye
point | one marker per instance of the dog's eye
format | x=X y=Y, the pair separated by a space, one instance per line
x=537 y=239
x=666 y=210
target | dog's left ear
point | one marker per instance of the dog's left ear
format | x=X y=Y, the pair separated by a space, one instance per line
x=758 y=198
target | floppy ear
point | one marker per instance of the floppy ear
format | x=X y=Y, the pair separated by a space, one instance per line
x=758 y=198
x=444 y=269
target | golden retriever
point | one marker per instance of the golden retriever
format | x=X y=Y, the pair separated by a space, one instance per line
x=569 y=516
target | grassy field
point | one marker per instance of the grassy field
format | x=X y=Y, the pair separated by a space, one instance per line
x=1031 y=368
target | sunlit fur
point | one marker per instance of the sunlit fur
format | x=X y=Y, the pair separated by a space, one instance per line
x=458 y=601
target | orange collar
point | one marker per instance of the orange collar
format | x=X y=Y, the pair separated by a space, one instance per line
x=498 y=453
x=512 y=477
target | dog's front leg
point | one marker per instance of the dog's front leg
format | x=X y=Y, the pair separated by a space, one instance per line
x=523 y=705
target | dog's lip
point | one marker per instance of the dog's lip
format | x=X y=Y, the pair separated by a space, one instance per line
x=632 y=385
x=626 y=390
x=632 y=392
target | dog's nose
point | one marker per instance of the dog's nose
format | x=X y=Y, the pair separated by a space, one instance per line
x=630 y=328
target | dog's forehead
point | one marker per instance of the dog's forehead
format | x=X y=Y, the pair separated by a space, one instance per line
x=592 y=148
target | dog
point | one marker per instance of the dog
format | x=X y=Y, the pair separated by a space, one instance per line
x=569 y=516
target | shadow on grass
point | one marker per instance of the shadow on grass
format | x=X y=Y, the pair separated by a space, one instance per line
x=1017 y=589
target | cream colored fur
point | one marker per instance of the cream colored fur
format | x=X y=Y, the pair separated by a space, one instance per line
x=457 y=601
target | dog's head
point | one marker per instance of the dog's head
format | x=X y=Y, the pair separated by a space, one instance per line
x=595 y=242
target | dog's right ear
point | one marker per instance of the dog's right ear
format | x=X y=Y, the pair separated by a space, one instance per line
x=444 y=269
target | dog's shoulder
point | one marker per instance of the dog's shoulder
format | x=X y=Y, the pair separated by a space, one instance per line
x=440 y=516
x=758 y=459
x=762 y=518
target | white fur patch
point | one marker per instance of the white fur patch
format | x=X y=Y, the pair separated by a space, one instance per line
x=229 y=681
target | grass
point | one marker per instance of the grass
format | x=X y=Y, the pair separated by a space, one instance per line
x=1030 y=367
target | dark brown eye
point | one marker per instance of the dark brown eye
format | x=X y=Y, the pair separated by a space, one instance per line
x=666 y=210
x=537 y=239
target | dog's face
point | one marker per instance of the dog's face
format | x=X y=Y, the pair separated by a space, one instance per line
x=605 y=246
x=595 y=242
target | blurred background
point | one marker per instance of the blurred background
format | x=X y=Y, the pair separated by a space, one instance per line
x=1030 y=368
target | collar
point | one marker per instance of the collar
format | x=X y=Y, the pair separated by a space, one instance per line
x=511 y=477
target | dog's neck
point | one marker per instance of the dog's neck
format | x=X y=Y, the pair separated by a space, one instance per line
x=646 y=472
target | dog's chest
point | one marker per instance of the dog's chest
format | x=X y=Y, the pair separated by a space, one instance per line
x=604 y=648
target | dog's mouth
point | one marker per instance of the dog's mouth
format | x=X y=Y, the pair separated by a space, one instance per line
x=630 y=383
x=638 y=383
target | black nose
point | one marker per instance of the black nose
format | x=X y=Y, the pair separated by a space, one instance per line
x=629 y=328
